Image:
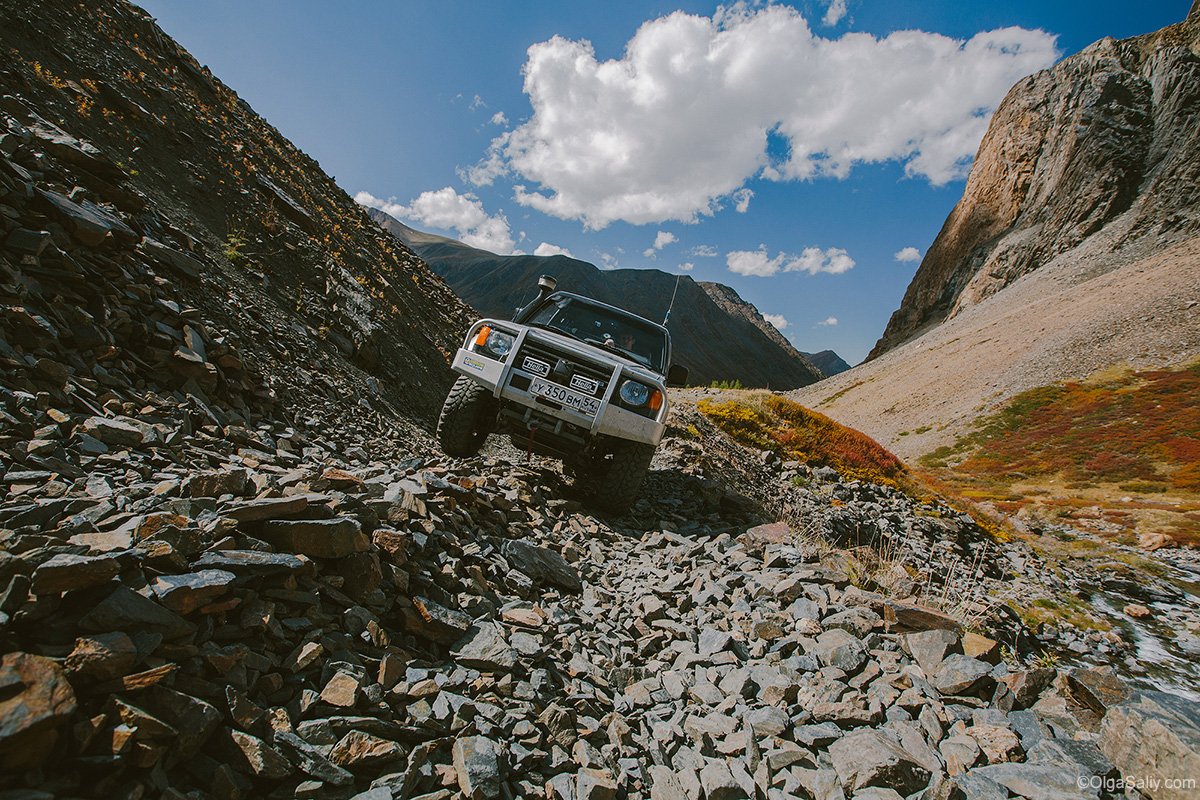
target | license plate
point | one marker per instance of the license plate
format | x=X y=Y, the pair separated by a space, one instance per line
x=584 y=405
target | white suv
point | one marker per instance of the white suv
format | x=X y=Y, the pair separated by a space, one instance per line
x=571 y=378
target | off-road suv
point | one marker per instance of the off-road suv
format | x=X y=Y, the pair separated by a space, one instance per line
x=571 y=378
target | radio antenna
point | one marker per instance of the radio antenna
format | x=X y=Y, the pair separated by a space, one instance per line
x=672 y=305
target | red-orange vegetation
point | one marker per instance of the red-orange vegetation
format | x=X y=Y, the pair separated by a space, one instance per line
x=1143 y=426
x=796 y=433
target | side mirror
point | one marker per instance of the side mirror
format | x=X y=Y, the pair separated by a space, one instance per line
x=677 y=375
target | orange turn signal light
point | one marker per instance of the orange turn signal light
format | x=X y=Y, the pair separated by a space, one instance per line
x=481 y=337
x=655 y=401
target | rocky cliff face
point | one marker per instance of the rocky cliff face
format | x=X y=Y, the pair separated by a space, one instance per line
x=715 y=333
x=1102 y=151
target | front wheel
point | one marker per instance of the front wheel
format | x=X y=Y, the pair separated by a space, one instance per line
x=463 y=425
x=617 y=487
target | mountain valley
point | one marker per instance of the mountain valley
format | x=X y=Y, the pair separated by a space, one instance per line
x=233 y=563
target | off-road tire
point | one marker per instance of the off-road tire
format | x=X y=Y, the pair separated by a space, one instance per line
x=582 y=469
x=617 y=486
x=463 y=424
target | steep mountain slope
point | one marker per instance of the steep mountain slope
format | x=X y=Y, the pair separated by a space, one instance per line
x=1061 y=322
x=223 y=574
x=1076 y=247
x=716 y=334
x=134 y=131
x=1098 y=155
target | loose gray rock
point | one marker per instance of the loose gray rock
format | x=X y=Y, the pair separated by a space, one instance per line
x=477 y=764
x=837 y=648
x=719 y=784
x=963 y=675
x=872 y=758
x=1041 y=781
x=483 y=648
x=930 y=648
x=1154 y=735
x=542 y=564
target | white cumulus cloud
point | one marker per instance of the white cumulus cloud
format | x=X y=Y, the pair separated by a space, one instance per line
x=663 y=239
x=499 y=119
x=812 y=260
x=741 y=199
x=682 y=120
x=908 y=254
x=835 y=12
x=547 y=249
x=447 y=210
x=829 y=321
x=777 y=320
x=687 y=267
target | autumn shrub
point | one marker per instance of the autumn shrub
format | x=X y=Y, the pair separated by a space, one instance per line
x=771 y=422
x=738 y=419
x=1187 y=477
x=1144 y=426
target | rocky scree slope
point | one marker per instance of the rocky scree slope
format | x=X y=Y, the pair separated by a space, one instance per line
x=232 y=613
x=108 y=118
x=714 y=332
x=1103 y=148
x=223 y=575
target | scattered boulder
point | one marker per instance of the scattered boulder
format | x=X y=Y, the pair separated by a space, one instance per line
x=36 y=703
x=1154 y=736
x=872 y=758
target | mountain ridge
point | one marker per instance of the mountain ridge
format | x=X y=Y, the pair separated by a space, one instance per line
x=1106 y=138
x=715 y=333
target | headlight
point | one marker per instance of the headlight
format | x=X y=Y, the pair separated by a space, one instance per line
x=499 y=343
x=496 y=343
x=635 y=394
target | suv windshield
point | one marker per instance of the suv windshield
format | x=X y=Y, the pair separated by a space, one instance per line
x=605 y=327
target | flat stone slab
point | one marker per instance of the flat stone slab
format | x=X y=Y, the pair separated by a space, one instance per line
x=126 y=610
x=250 y=562
x=185 y=593
x=319 y=538
x=269 y=508
x=542 y=564
x=64 y=572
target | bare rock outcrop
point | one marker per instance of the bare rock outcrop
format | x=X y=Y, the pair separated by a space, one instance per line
x=1105 y=145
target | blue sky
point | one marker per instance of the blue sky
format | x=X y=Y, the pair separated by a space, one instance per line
x=805 y=154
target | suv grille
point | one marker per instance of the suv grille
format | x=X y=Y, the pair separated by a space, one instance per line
x=574 y=373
